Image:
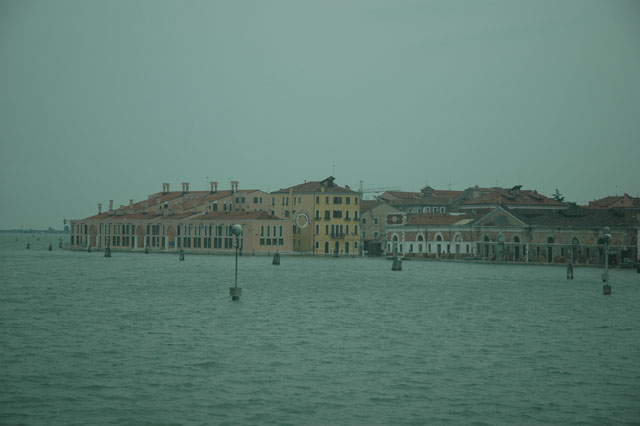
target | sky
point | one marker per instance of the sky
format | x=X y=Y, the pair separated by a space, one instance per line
x=105 y=100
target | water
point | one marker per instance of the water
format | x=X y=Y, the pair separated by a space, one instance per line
x=145 y=339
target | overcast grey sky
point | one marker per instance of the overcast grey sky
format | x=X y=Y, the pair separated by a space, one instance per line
x=106 y=100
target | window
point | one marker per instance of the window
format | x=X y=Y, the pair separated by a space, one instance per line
x=356 y=230
x=317 y=199
x=347 y=200
x=326 y=229
x=326 y=200
x=317 y=214
x=356 y=203
x=327 y=215
x=255 y=200
x=337 y=200
x=355 y=215
x=376 y=234
x=243 y=200
x=337 y=214
x=237 y=200
x=375 y=220
x=441 y=209
x=364 y=220
x=286 y=213
x=273 y=201
x=317 y=229
x=346 y=214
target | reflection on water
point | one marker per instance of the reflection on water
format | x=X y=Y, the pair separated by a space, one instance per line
x=147 y=339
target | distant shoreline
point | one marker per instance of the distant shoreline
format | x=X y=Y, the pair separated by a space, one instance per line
x=32 y=231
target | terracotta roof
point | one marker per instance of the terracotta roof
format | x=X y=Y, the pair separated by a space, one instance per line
x=237 y=215
x=614 y=201
x=577 y=217
x=98 y=216
x=316 y=186
x=426 y=201
x=504 y=197
x=438 y=219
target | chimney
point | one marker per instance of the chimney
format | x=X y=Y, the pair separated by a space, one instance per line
x=234 y=185
x=110 y=205
x=131 y=203
x=99 y=208
x=165 y=188
x=214 y=187
x=185 y=187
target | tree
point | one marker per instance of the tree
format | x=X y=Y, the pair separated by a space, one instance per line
x=558 y=196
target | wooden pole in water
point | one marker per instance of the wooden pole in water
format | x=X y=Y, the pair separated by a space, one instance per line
x=606 y=288
x=236 y=291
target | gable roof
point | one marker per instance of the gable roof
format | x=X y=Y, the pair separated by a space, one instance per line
x=501 y=196
x=325 y=185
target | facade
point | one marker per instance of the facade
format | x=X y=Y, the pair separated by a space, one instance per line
x=373 y=214
x=430 y=235
x=323 y=216
x=187 y=220
x=521 y=235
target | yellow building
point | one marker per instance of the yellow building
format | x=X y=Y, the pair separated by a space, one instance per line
x=324 y=216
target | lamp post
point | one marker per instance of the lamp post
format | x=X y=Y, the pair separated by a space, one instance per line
x=606 y=238
x=236 y=291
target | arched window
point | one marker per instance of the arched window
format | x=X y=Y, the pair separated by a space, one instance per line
x=420 y=237
x=458 y=239
x=575 y=241
x=550 y=240
x=438 y=238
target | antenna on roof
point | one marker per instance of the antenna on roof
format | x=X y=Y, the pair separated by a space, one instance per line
x=333 y=170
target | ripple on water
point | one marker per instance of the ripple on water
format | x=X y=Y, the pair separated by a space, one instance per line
x=148 y=340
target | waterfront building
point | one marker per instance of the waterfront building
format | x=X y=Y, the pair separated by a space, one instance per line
x=430 y=235
x=520 y=235
x=324 y=217
x=372 y=221
x=190 y=220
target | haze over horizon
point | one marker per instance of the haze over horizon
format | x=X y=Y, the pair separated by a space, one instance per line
x=107 y=100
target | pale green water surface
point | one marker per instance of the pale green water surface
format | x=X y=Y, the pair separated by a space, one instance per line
x=147 y=340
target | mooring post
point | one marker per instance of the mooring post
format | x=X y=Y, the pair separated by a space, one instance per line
x=181 y=255
x=606 y=288
x=570 y=265
x=50 y=246
x=28 y=246
x=60 y=243
x=276 y=258
x=89 y=249
x=397 y=263
x=107 y=252
x=236 y=291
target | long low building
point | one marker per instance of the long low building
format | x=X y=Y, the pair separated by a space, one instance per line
x=198 y=221
x=507 y=235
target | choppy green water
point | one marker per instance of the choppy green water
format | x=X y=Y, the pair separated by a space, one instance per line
x=145 y=339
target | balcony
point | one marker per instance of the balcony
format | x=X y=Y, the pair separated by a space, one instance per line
x=337 y=235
